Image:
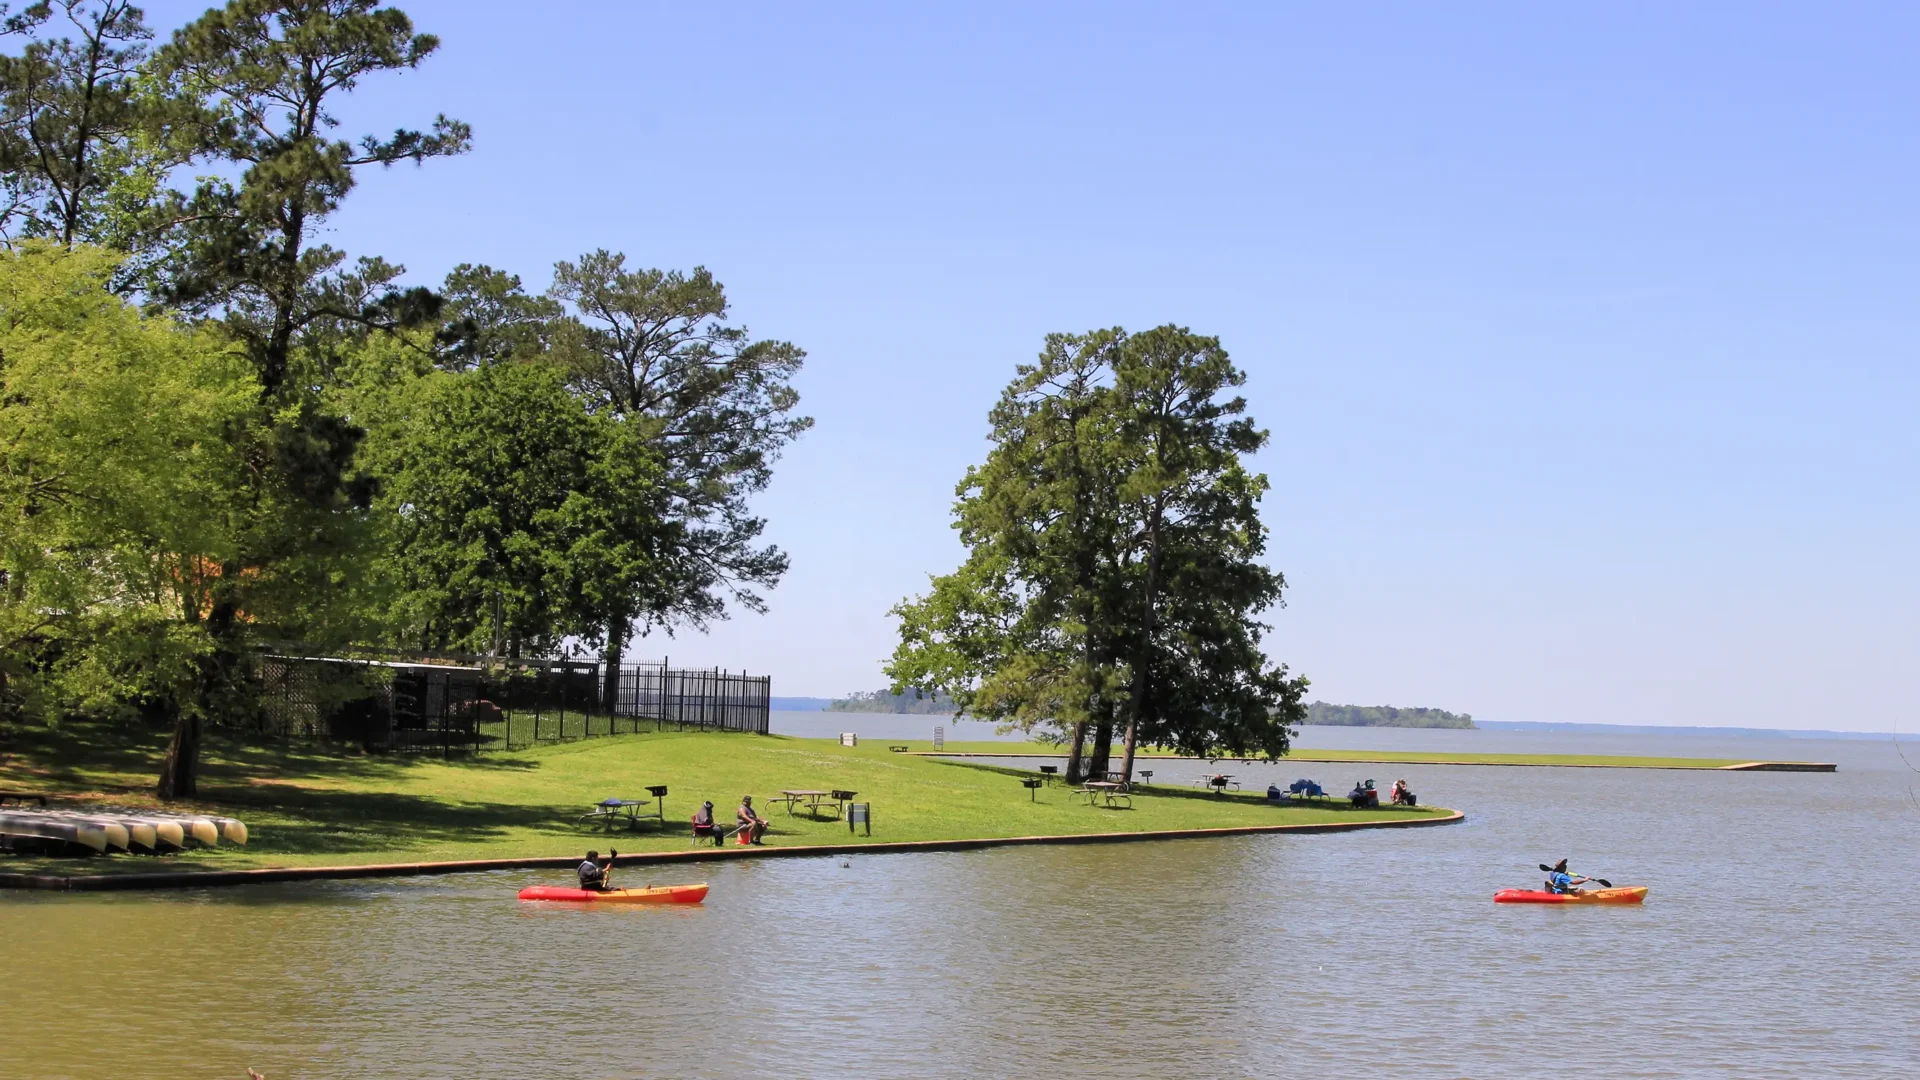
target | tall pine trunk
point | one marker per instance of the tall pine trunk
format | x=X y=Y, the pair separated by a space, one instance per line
x=1102 y=757
x=1075 y=759
x=1137 y=696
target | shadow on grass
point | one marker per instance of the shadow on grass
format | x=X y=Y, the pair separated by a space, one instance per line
x=89 y=757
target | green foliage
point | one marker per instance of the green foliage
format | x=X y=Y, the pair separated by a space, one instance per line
x=117 y=485
x=1320 y=712
x=912 y=702
x=514 y=513
x=715 y=406
x=313 y=452
x=76 y=157
x=1114 y=543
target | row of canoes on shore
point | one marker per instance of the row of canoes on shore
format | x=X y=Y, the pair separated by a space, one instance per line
x=107 y=830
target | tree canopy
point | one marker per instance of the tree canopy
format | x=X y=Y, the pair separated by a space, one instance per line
x=223 y=434
x=1113 y=578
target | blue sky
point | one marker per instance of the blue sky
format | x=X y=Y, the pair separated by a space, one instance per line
x=1586 y=338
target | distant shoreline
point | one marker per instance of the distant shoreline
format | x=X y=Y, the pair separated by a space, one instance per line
x=811 y=704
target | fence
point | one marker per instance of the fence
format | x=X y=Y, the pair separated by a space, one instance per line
x=450 y=707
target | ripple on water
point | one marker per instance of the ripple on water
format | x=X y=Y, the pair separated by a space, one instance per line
x=1771 y=945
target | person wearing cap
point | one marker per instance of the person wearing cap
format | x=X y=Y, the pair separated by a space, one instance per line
x=1561 y=881
x=751 y=823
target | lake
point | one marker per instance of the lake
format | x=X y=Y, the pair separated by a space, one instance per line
x=1779 y=940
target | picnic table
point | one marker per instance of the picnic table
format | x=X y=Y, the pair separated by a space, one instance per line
x=834 y=801
x=609 y=813
x=1218 y=782
x=1113 y=794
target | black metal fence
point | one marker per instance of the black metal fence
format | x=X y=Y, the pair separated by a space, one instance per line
x=447 y=706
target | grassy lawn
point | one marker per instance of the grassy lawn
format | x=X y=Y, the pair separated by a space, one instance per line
x=304 y=806
x=1022 y=749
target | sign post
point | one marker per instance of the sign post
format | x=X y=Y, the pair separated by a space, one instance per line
x=939 y=737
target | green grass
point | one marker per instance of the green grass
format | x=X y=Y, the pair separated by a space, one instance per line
x=1022 y=749
x=304 y=806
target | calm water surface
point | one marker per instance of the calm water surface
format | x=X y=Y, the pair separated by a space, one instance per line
x=1779 y=940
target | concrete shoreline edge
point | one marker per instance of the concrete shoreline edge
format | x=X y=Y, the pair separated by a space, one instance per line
x=193 y=880
x=1744 y=766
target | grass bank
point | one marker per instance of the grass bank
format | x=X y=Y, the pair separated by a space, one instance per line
x=1382 y=757
x=305 y=807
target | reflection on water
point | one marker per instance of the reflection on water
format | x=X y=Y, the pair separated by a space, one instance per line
x=1779 y=940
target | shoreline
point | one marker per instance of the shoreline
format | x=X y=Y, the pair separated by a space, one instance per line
x=1707 y=765
x=163 y=879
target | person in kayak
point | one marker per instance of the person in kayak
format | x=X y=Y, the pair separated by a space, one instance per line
x=593 y=873
x=751 y=823
x=1563 y=882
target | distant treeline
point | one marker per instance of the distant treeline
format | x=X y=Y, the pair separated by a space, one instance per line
x=1320 y=712
x=880 y=701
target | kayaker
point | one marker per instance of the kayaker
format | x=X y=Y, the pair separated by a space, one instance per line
x=751 y=823
x=1563 y=882
x=593 y=873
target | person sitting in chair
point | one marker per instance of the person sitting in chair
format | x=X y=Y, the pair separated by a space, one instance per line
x=704 y=827
x=751 y=823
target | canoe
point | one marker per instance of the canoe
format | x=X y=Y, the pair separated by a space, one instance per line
x=39 y=825
x=1626 y=894
x=652 y=894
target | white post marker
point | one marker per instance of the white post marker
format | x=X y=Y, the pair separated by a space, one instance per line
x=939 y=737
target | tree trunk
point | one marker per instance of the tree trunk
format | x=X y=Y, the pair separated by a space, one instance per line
x=1075 y=761
x=1137 y=694
x=616 y=647
x=180 y=769
x=1102 y=756
x=180 y=772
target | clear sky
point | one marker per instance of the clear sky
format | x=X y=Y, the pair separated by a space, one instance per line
x=1586 y=338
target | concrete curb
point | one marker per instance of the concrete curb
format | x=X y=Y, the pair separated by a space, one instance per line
x=175 y=880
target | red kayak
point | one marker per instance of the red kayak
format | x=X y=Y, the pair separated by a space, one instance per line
x=1627 y=894
x=652 y=894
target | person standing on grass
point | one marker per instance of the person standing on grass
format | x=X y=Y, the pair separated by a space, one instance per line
x=753 y=824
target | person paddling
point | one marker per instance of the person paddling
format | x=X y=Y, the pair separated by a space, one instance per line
x=593 y=873
x=1560 y=881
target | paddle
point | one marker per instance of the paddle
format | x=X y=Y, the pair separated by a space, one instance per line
x=1604 y=883
x=606 y=872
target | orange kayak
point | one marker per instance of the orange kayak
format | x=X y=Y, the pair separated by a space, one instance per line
x=1626 y=894
x=652 y=894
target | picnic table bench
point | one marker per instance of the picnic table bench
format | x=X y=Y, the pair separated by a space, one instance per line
x=609 y=813
x=833 y=802
x=1111 y=793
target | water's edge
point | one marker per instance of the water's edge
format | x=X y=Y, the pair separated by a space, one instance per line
x=179 y=880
